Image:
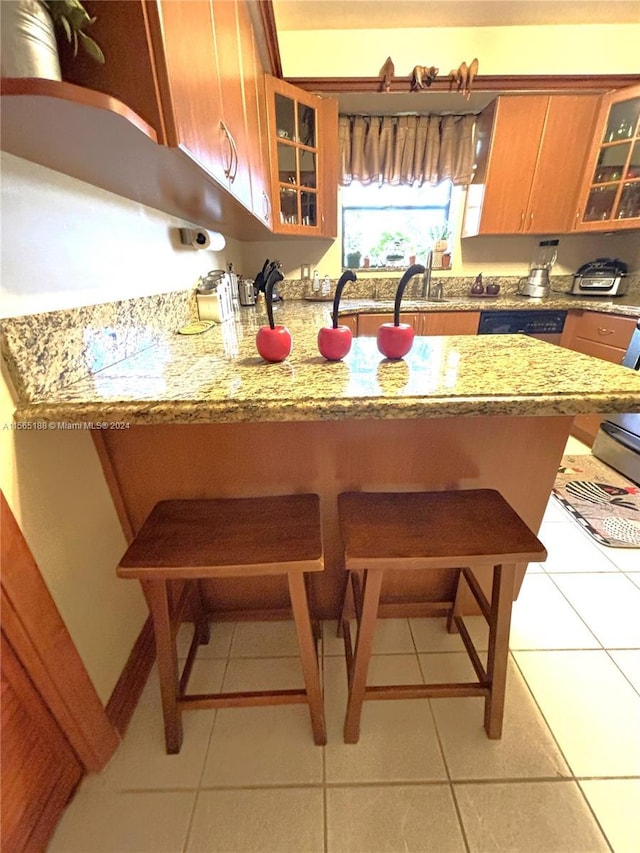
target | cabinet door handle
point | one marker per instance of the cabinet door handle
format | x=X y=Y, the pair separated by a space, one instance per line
x=235 y=158
x=228 y=163
x=529 y=226
x=266 y=206
x=522 y=220
x=604 y=332
x=230 y=168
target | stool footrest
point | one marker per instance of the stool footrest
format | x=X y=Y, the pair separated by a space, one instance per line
x=247 y=699
x=426 y=691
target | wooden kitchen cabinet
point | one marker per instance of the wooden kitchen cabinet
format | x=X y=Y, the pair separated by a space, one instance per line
x=368 y=324
x=610 y=193
x=185 y=77
x=303 y=133
x=256 y=117
x=530 y=155
x=424 y=322
x=448 y=323
x=236 y=173
x=603 y=336
x=351 y=322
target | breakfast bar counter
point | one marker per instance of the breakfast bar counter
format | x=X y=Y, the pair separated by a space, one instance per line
x=205 y=416
x=218 y=377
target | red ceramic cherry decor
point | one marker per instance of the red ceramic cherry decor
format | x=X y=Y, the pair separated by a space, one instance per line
x=396 y=339
x=273 y=342
x=334 y=341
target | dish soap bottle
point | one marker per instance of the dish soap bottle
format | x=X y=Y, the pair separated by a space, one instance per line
x=478 y=286
x=326 y=286
x=316 y=284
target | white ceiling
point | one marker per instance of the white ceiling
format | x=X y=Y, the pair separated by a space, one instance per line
x=399 y=14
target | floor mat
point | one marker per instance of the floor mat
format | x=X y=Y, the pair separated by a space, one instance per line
x=602 y=501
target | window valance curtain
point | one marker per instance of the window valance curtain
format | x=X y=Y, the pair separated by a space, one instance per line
x=406 y=149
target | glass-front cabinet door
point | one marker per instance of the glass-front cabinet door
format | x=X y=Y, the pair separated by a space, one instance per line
x=610 y=198
x=304 y=184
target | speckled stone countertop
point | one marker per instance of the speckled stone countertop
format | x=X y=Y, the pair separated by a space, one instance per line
x=624 y=305
x=219 y=376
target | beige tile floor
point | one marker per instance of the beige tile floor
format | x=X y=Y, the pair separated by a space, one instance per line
x=565 y=776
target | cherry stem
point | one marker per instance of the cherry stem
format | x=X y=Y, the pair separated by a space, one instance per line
x=347 y=275
x=416 y=269
x=272 y=279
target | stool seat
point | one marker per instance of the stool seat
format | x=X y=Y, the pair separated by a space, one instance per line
x=195 y=539
x=410 y=530
x=466 y=530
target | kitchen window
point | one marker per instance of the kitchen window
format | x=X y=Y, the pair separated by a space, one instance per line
x=389 y=227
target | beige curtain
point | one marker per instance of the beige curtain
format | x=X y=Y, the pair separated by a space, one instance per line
x=406 y=149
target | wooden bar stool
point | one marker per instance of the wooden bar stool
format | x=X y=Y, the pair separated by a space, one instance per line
x=191 y=540
x=467 y=530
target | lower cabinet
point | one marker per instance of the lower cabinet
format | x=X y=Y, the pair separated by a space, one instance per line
x=423 y=322
x=603 y=336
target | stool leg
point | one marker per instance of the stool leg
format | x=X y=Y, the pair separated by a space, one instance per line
x=308 y=655
x=200 y=618
x=498 y=653
x=364 y=645
x=452 y=628
x=345 y=605
x=156 y=594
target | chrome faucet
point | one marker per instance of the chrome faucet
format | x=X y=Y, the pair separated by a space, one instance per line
x=426 y=281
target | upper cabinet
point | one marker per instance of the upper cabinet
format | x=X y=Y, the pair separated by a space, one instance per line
x=530 y=153
x=303 y=132
x=192 y=71
x=184 y=77
x=610 y=194
x=256 y=117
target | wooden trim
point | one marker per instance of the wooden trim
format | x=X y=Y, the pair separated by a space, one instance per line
x=488 y=83
x=126 y=694
x=268 y=19
x=43 y=644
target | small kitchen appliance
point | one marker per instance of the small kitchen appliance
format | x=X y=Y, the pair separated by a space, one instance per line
x=537 y=282
x=602 y=277
x=213 y=296
x=246 y=291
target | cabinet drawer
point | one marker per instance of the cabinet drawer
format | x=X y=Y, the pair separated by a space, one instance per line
x=612 y=330
x=598 y=350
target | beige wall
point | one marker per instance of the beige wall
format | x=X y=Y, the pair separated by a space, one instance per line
x=64 y=244
x=583 y=49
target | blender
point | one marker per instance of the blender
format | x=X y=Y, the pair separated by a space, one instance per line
x=537 y=282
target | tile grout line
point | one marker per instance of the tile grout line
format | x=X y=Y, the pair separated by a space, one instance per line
x=206 y=751
x=452 y=791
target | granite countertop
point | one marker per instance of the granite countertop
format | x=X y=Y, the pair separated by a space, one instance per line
x=219 y=376
x=626 y=305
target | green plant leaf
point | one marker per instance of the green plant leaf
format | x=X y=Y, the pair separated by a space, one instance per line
x=91 y=47
x=66 y=27
x=72 y=17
